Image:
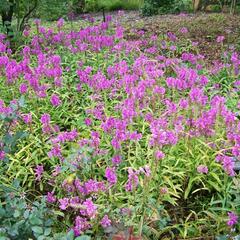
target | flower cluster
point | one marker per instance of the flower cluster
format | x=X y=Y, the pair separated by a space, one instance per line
x=119 y=119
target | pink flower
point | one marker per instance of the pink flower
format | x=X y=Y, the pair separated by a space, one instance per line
x=60 y=22
x=45 y=119
x=23 y=88
x=56 y=151
x=26 y=33
x=106 y=222
x=184 y=30
x=202 y=169
x=55 y=100
x=227 y=163
x=90 y=209
x=159 y=155
x=232 y=219
x=56 y=171
x=163 y=190
x=132 y=180
x=50 y=197
x=173 y=48
x=37 y=22
x=38 y=172
x=2 y=155
x=116 y=159
x=145 y=170
x=63 y=203
x=81 y=225
x=27 y=118
x=220 y=39
x=111 y=176
x=88 y=121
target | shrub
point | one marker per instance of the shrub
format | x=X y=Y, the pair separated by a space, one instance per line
x=21 y=219
x=151 y=7
x=52 y=10
x=97 y=5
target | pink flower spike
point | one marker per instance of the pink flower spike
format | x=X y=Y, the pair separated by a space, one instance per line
x=220 y=39
x=232 y=219
x=55 y=100
x=63 y=203
x=202 y=169
x=38 y=172
x=50 y=197
x=106 y=222
x=45 y=119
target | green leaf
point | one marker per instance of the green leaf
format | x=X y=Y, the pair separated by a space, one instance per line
x=59 y=213
x=21 y=101
x=189 y=187
x=35 y=220
x=47 y=231
x=49 y=223
x=4 y=238
x=38 y=230
x=16 y=214
x=2 y=211
x=26 y=214
x=42 y=237
x=70 y=235
x=223 y=237
x=83 y=237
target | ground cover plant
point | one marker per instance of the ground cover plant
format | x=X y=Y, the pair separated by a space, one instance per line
x=107 y=133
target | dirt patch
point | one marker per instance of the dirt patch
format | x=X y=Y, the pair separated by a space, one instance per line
x=202 y=28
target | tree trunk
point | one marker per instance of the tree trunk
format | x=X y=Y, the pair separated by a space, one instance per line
x=233 y=6
x=197 y=5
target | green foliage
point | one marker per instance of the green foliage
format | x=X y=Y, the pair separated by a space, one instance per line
x=10 y=139
x=52 y=10
x=112 y=5
x=151 y=7
x=92 y=6
x=21 y=219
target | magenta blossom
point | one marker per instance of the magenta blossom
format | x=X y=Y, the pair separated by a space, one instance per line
x=38 y=172
x=2 y=155
x=27 y=118
x=23 y=88
x=202 y=169
x=159 y=155
x=50 y=197
x=45 y=119
x=232 y=219
x=106 y=222
x=90 y=209
x=184 y=30
x=81 y=225
x=117 y=159
x=60 y=22
x=88 y=121
x=220 y=39
x=55 y=100
x=163 y=190
x=111 y=176
x=64 y=202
